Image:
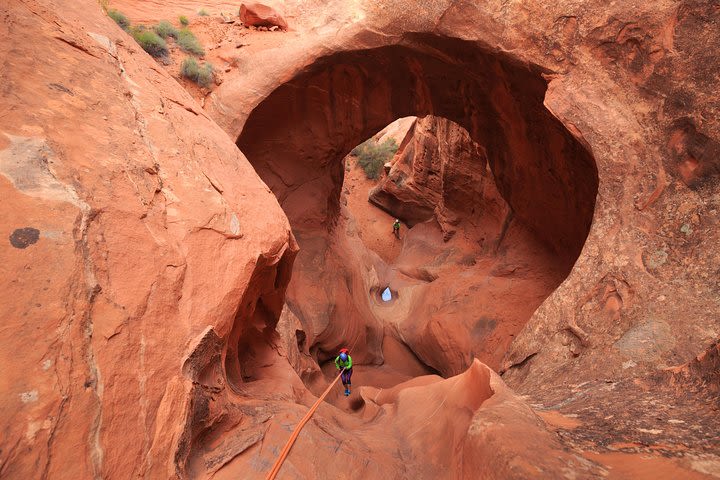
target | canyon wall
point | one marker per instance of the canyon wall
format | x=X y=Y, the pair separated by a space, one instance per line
x=631 y=83
x=138 y=244
x=439 y=172
x=146 y=263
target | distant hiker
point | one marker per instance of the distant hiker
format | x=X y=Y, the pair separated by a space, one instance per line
x=344 y=360
x=396 y=228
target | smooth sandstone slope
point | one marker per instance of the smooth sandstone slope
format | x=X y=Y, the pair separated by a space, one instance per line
x=139 y=228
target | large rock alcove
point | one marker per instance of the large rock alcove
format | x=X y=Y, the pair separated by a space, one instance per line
x=160 y=321
x=297 y=137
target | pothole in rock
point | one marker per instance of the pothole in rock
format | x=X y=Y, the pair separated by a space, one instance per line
x=386 y=295
x=382 y=296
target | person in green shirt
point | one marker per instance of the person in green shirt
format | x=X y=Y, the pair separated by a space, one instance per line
x=396 y=228
x=344 y=361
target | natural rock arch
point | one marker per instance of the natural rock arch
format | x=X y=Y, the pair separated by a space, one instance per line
x=298 y=135
x=546 y=174
x=153 y=227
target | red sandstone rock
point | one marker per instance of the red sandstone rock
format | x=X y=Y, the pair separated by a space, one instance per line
x=149 y=260
x=146 y=264
x=543 y=175
x=259 y=15
x=438 y=173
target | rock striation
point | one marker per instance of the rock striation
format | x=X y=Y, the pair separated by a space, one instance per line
x=440 y=173
x=138 y=245
x=171 y=302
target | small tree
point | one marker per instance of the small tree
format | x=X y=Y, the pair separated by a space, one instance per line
x=371 y=156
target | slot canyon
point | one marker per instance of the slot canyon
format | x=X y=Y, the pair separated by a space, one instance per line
x=184 y=259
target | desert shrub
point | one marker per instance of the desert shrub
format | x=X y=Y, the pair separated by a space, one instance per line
x=371 y=156
x=184 y=20
x=165 y=29
x=120 y=18
x=187 y=41
x=201 y=74
x=203 y=13
x=150 y=41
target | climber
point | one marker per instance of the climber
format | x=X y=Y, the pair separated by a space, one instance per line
x=344 y=362
x=396 y=228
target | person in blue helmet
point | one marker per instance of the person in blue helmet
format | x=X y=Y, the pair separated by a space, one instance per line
x=344 y=360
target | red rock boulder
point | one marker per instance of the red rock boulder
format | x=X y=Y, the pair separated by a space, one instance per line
x=259 y=15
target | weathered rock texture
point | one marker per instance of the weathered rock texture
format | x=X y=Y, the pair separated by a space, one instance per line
x=440 y=173
x=632 y=88
x=138 y=246
x=146 y=264
x=547 y=175
x=259 y=15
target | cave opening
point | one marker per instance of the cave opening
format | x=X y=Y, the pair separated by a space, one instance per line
x=496 y=196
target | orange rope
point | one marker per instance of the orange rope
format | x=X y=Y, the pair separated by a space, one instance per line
x=278 y=463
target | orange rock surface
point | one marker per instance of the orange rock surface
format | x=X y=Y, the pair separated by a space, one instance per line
x=181 y=265
x=259 y=15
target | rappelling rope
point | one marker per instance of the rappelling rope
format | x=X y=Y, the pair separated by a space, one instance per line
x=278 y=463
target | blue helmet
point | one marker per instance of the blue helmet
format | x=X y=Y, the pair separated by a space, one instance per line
x=343 y=357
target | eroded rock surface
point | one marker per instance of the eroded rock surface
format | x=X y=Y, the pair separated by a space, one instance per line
x=259 y=15
x=138 y=243
x=439 y=172
x=158 y=323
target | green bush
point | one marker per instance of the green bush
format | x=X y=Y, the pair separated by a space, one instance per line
x=202 y=75
x=120 y=18
x=371 y=156
x=150 y=41
x=184 y=20
x=203 y=13
x=165 y=29
x=189 y=42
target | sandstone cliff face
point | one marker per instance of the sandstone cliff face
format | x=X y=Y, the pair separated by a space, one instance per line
x=629 y=87
x=441 y=173
x=146 y=264
x=469 y=274
x=141 y=244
